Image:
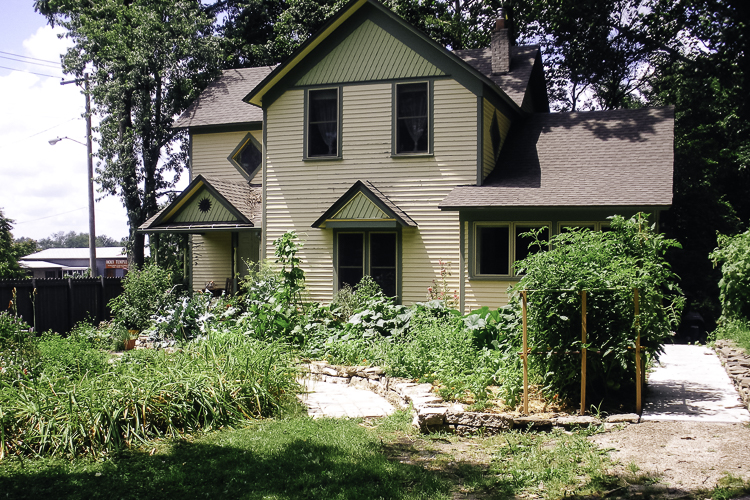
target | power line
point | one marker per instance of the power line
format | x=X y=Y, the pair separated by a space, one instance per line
x=50 y=216
x=44 y=65
x=28 y=57
x=32 y=72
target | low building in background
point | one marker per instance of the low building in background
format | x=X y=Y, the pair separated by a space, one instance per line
x=111 y=262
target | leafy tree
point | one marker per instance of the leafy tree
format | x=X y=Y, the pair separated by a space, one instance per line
x=9 y=267
x=61 y=239
x=149 y=59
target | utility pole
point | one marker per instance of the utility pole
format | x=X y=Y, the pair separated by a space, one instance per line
x=90 y=157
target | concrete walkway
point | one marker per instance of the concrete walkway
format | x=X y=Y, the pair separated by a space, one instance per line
x=689 y=384
x=324 y=399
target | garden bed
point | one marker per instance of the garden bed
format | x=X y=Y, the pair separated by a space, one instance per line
x=432 y=414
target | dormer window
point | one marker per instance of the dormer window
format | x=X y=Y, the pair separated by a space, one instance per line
x=323 y=124
x=412 y=118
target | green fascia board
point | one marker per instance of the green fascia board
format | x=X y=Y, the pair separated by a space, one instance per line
x=369 y=54
x=231 y=127
x=181 y=199
x=358 y=187
x=194 y=229
x=365 y=224
x=446 y=61
x=569 y=213
x=230 y=158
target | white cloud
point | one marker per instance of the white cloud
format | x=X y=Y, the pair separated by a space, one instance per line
x=43 y=187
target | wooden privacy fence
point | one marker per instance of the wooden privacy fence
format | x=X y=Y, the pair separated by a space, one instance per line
x=58 y=304
x=584 y=334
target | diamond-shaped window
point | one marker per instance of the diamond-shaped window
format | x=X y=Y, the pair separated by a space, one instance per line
x=247 y=156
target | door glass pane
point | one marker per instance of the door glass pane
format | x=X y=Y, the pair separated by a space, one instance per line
x=351 y=258
x=493 y=249
x=383 y=261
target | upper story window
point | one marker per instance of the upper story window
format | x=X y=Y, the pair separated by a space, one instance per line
x=323 y=123
x=412 y=118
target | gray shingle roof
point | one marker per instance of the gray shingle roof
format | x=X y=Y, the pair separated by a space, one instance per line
x=221 y=102
x=599 y=158
x=513 y=83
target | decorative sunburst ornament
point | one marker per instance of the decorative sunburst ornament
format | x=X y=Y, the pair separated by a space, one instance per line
x=204 y=205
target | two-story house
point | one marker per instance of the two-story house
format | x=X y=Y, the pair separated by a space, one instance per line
x=389 y=154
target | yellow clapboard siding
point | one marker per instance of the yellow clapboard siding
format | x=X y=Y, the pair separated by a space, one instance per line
x=488 y=155
x=298 y=192
x=210 y=152
x=211 y=259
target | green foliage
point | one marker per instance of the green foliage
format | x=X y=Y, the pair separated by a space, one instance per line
x=736 y=330
x=608 y=265
x=71 y=239
x=147 y=61
x=144 y=293
x=9 y=251
x=12 y=328
x=733 y=254
x=273 y=303
x=66 y=398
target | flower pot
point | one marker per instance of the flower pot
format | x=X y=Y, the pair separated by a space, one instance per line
x=129 y=344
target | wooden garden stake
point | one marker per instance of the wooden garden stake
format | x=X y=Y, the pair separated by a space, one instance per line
x=525 y=358
x=638 y=369
x=583 y=352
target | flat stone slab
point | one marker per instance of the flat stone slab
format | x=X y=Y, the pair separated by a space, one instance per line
x=689 y=384
x=325 y=399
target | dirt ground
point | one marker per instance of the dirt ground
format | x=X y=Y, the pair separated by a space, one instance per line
x=680 y=456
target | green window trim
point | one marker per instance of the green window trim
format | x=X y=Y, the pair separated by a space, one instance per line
x=593 y=225
x=310 y=132
x=427 y=151
x=369 y=263
x=505 y=231
x=234 y=156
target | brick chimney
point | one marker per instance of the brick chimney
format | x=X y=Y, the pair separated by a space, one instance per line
x=500 y=45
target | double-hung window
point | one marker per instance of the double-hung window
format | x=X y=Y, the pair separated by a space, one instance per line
x=499 y=245
x=373 y=253
x=323 y=127
x=412 y=124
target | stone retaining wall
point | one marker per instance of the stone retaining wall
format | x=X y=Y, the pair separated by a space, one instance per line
x=737 y=364
x=431 y=413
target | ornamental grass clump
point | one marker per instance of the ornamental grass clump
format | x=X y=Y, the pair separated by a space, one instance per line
x=223 y=380
x=609 y=265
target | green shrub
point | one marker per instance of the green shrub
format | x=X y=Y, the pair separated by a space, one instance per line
x=736 y=330
x=733 y=254
x=72 y=357
x=144 y=293
x=630 y=255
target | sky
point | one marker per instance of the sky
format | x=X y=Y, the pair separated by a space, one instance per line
x=43 y=188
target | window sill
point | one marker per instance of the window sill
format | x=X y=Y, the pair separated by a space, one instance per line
x=412 y=155
x=322 y=158
x=495 y=278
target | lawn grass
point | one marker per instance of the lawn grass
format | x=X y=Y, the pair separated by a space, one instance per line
x=297 y=457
